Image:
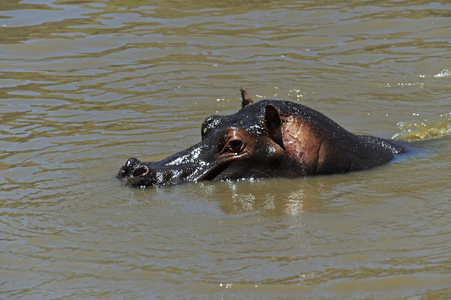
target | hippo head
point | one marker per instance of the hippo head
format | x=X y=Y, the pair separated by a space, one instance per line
x=269 y=138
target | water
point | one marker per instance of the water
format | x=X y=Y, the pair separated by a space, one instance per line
x=86 y=84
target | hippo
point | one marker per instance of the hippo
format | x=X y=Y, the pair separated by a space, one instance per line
x=264 y=139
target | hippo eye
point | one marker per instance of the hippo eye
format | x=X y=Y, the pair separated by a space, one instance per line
x=235 y=145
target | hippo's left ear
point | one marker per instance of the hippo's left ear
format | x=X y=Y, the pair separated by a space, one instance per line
x=273 y=124
x=245 y=99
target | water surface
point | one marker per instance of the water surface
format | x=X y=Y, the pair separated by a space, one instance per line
x=86 y=84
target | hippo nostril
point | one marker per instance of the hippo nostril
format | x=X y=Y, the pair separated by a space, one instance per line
x=132 y=162
x=142 y=170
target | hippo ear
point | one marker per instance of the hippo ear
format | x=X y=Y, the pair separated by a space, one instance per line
x=273 y=124
x=245 y=99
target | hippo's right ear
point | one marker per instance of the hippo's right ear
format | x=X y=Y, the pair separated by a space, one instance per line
x=245 y=99
x=273 y=124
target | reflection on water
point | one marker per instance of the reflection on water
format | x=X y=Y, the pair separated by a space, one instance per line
x=294 y=197
x=86 y=84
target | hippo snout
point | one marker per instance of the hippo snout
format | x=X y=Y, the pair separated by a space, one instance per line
x=135 y=173
x=129 y=167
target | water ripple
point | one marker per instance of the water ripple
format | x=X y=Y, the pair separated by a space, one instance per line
x=85 y=85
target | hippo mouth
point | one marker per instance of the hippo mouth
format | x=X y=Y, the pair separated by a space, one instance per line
x=214 y=173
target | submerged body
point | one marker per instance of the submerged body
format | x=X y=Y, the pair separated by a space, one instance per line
x=270 y=138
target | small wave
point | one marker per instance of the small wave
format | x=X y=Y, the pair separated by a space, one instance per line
x=443 y=73
x=425 y=129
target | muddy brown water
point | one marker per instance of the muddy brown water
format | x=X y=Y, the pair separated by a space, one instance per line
x=86 y=84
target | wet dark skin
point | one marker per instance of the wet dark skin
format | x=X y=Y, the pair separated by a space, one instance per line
x=266 y=139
